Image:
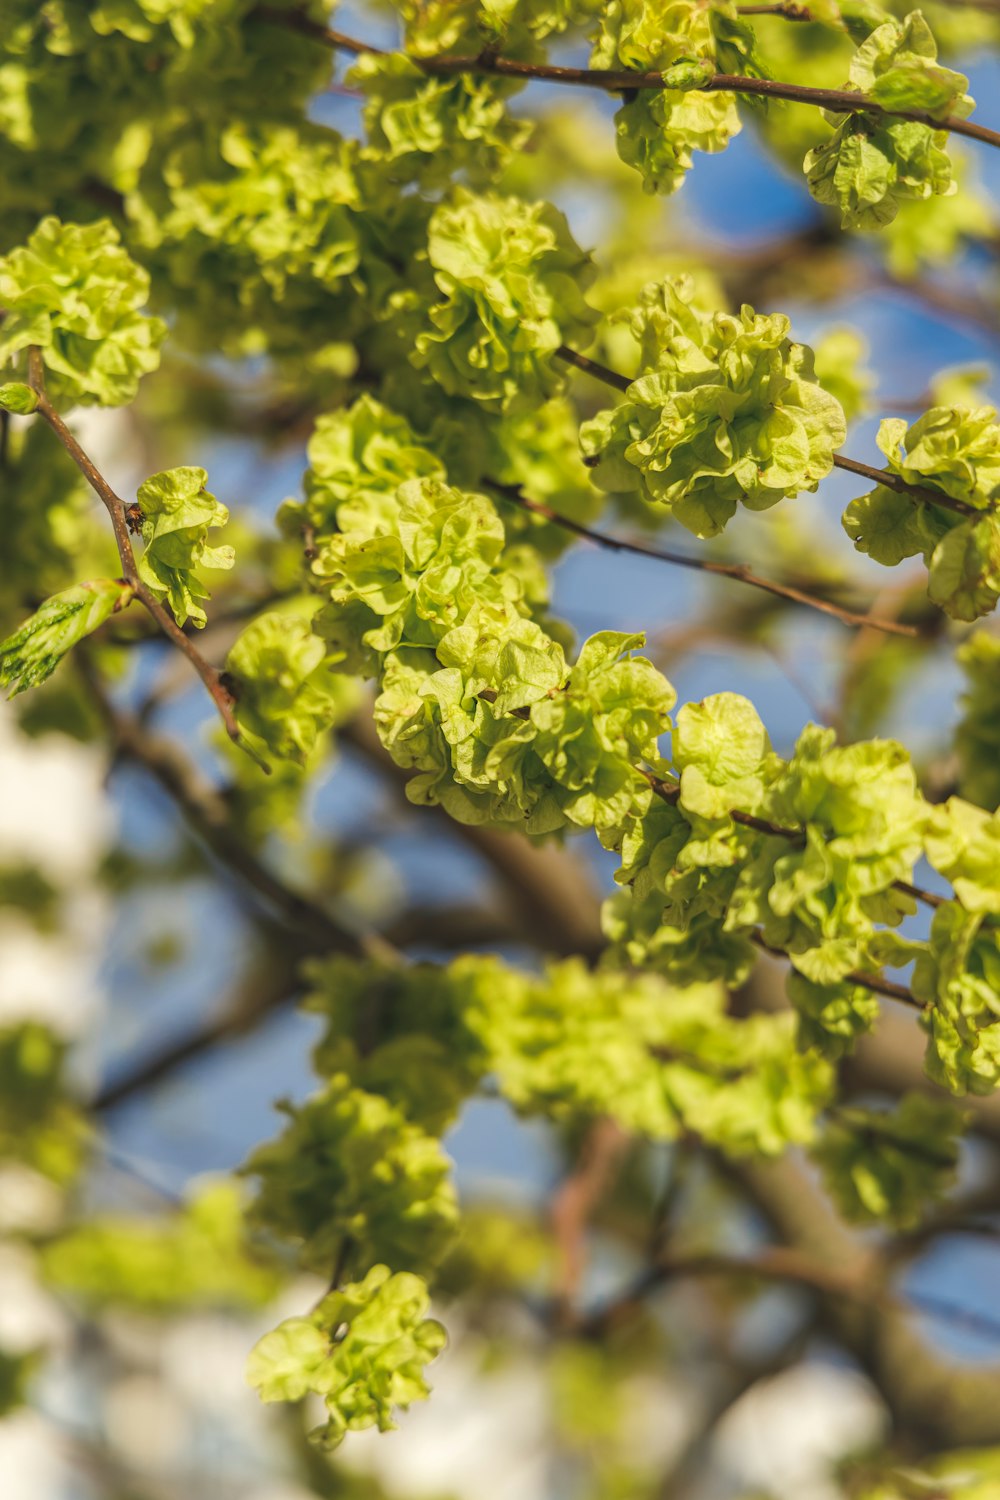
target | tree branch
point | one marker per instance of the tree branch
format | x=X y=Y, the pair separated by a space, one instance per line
x=267 y=987
x=207 y=816
x=671 y=792
x=616 y=81
x=947 y=1404
x=737 y=571
x=788 y=10
x=891 y=481
x=115 y=506
x=788 y=1265
x=575 y=1200
x=919 y=492
x=551 y=900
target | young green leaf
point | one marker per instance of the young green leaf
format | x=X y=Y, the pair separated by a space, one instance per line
x=177 y=512
x=873 y=162
x=32 y=653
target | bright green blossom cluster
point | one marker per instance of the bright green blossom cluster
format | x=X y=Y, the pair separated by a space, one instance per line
x=576 y=1045
x=464 y=27
x=288 y=690
x=701 y=888
x=280 y=200
x=87 y=88
x=656 y=1059
x=198 y=1256
x=427 y=127
x=511 y=277
x=476 y=693
x=813 y=857
x=351 y=1166
x=358 y=1177
x=177 y=512
x=957 y=976
x=873 y=161
x=262 y=232
x=363 y=1350
x=954 y=451
x=728 y=412
x=75 y=294
x=658 y=129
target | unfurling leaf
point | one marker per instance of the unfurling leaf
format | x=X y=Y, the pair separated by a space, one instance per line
x=32 y=653
x=177 y=512
x=873 y=161
x=18 y=398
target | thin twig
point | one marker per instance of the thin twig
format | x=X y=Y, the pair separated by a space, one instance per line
x=781 y=1264
x=208 y=817
x=616 y=81
x=788 y=11
x=115 y=506
x=891 y=481
x=874 y=982
x=575 y=1200
x=261 y=995
x=603 y=373
x=671 y=792
x=737 y=571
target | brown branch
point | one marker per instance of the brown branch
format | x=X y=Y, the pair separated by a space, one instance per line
x=773 y=1264
x=616 y=81
x=946 y=1403
x=603 y=373
x=575 y=1200
x=789 y=11
x=891 y=481
x=207 y=815
x=919 y=492
x=737 y=571
x=671 y=792
x=787 y=1265
x=547 y=892
x=270 y=984
x=292 y=20
x=873 y=982
x=115 y=506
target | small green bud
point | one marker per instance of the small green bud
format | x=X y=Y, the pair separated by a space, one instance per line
x=17 y=397
x=689 y=73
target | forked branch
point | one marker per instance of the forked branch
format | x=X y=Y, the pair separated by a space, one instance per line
x=115 y=506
